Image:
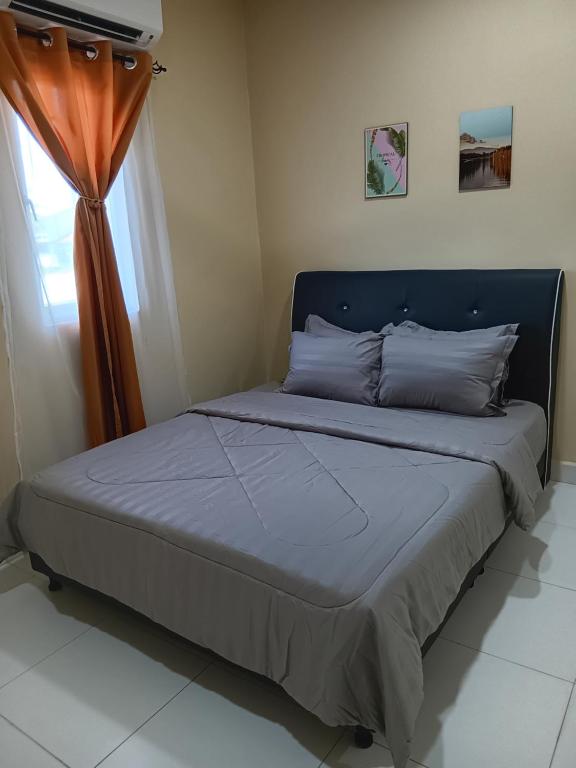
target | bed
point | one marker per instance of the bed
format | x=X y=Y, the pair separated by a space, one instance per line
x=321 y=544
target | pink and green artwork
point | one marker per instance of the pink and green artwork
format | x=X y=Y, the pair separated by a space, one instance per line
x=386 y=149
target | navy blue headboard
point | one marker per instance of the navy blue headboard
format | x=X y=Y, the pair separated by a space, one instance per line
x=456 y=300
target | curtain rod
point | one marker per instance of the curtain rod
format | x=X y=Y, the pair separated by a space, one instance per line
x=128 y=61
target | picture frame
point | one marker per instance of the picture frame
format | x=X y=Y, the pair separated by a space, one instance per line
x=485 y=157
x=386 y=161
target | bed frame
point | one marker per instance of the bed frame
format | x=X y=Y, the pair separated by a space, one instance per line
x=456 y=300
x=452 y=300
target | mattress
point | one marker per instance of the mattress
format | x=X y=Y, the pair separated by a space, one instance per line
x=314 y=542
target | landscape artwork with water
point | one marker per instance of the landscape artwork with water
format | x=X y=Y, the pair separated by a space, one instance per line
x=485 y=149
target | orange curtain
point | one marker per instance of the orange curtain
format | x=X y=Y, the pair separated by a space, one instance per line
x=84 y=113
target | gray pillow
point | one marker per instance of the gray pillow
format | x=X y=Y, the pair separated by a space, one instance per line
x=454 y=374
x=344 y=368
x=320 y=327
x=409 y=328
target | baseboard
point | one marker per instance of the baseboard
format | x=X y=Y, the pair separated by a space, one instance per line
x=564 y=472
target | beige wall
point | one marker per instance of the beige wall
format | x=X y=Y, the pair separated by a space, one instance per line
x=322 y=70
x=204 y=144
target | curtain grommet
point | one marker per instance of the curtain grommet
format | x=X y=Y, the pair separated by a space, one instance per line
x=92 y=53
x=130 y=63
x=47 y=40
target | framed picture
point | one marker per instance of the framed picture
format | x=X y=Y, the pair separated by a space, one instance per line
x=485 y=149
x=386 y=160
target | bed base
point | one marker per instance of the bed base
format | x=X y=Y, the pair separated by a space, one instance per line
x=54 y=585
x=363 y=737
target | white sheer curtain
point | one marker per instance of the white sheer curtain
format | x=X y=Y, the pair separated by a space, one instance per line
x=40 y=318
x=155 y=328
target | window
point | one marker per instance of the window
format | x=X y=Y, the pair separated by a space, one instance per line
x=51 y=204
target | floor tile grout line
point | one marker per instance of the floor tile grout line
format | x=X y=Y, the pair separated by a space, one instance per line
x=101 y=599
x=23 y=566
x=531 y=578
x=153 y=715
x=376 y=743
x=45 y=658
x=561 y=726
x=100 y=624
x=420 y=765
x=555 y=525
x=332 y=748
x=322 y=763
x=34 y=741
x=509 y=661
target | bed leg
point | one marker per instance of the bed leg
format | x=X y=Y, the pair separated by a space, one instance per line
x=363 y=738
x=54 y=585
x=480 y=572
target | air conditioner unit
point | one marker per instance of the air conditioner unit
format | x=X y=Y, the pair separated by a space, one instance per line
x=130 y=24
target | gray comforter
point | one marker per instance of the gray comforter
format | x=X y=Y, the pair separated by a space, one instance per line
x=317 y=543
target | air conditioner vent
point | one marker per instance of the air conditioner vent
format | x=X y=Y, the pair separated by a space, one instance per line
x=76 y=19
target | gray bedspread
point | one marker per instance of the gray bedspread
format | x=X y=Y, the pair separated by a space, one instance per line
x=317 y=543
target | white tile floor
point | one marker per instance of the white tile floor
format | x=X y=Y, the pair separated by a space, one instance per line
x=85 y=684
